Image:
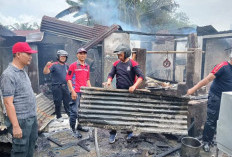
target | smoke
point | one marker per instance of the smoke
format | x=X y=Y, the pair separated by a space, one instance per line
x=105 y=13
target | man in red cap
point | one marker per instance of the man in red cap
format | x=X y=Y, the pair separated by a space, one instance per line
x=19 y=101
x=78 y=76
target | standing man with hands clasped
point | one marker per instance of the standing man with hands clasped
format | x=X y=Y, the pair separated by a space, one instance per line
x=60 y=90
x=78 y=76
x=20 y=102
x=126 y=71
x=221 y=75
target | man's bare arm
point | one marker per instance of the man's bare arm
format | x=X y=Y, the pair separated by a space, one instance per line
x=137 y=83
x=73 y=93
x=11 y=113
x=202 y=83
x=46 y=70
x=88 y=83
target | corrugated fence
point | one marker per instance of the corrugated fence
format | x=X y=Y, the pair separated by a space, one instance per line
x=141 y=111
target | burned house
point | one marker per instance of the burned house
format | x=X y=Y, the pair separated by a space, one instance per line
x=56 y=34
x=7 y=40
x=100 y=41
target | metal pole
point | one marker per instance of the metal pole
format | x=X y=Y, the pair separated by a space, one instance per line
x=96 y=142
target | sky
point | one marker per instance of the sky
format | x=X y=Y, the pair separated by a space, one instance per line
x=200 y=12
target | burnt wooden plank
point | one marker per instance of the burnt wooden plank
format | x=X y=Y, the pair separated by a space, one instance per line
x=141 y=129
x=138 y=119
x=135 y=124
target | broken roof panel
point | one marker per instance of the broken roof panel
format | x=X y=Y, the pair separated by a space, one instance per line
x=206 y=30
x=74 y=31
x=45 y=109
x=141 y=111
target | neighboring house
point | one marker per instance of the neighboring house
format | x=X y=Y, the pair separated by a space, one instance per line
x=56 y=34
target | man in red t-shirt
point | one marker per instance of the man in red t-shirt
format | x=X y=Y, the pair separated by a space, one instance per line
x=78 y=76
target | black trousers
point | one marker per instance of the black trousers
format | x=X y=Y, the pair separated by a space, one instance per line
x=213 y=109
x=61 y=94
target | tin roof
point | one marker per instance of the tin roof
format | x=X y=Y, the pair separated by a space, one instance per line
x=6 y=32
x=142 y=111
x=25 y=32
x=71 y=30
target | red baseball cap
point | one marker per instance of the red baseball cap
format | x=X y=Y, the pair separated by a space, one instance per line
x=81 y=50
x=22 y=47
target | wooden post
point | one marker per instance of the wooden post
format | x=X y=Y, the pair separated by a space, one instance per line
x=193 y=67
x=141 y=59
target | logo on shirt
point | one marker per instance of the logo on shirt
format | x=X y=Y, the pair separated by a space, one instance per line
x=128 y=68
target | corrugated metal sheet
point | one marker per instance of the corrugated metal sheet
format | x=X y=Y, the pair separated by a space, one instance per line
x=45 y=109
x=141 y=111
x=71 y=30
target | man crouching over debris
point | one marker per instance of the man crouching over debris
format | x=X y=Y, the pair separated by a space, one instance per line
x=20 y=102
x=221 y=76
x=126 y=71
x=78 y=76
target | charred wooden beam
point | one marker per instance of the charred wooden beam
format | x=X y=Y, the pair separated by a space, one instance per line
x=167 y=52
x=152 y=34
x=170 y=151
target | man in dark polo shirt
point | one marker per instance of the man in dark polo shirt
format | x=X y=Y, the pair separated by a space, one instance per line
x=78 y=76
x=60 y=90
x=20 y=103
x=221 y=76
x=126 y=71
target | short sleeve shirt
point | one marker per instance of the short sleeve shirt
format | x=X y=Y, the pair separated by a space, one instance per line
x=79 y=75
x=125 y=73
x=58 y=73
x=223 y=80
x=16 y=83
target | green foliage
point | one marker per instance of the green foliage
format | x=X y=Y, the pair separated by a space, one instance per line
x=142 y=15
x=23 y=26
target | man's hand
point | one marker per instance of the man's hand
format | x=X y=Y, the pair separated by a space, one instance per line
x=190 y=91
x=49 y=63
x=74 y=95
x=107 y=84
x=17 y=132
x=132 y=89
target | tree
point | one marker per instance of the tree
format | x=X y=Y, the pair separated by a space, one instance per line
x=144 y=15
x=23 y=26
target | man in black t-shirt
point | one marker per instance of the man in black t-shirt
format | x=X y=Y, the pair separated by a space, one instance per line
x=221 y=76
x=126 y=71
x=60 y=90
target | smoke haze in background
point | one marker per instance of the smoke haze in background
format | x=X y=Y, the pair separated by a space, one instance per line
x=105 y=12
x=207 y=12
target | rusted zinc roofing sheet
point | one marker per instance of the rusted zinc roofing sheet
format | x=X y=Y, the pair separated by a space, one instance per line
x=141 y=111
x=71 y=30
x=45 y=109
